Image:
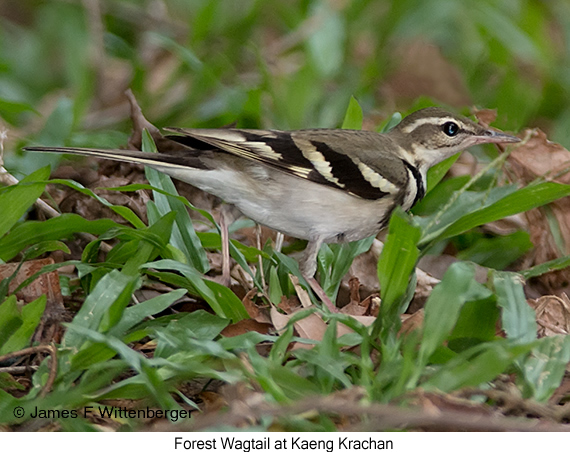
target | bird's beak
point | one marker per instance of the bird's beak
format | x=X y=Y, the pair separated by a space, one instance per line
x=492 y=136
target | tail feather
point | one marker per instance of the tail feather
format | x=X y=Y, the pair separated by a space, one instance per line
x=122 y=155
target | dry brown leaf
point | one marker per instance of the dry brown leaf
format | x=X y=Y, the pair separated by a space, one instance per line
x=301 y=293
x=289 y=304
x=552 y=314
x=355 y=306
x=354 y=286
x=486 y=117
x=311 y=327
x=412 y=322
x=46 y=284
x=245 y=326
x=279 y=320
x=538 y=157
x=366 y=320
x=254 y=311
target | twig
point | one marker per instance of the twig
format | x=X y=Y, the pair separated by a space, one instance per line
x=378 y=417
x=38 y=349
x=17 y=369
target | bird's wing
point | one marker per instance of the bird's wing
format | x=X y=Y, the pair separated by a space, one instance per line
x=319 y=155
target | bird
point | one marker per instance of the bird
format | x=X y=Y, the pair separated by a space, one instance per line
x=320 y=185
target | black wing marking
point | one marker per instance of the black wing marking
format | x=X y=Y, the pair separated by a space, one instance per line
x=307 y=158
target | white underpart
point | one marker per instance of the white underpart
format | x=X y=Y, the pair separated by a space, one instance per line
x=294 y=206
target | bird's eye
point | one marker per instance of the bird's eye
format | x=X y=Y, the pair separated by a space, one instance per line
x=450 y=129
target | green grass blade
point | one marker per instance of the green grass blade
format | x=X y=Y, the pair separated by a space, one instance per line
x=545 y=267
x=395 y=266
x=476 y=365
x=184 y=236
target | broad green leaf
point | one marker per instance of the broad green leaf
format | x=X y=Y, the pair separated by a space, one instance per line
x=182 y=334
x=278 y=352
x=544 y=369
x=437 y=172
x=520 y=201
x=153 y=242
x=58 y=228
x=326 y=356
x=459 y=205
x=153 y=383
x=148 y=248
x=15 y=200
x=110 y=288
x=123 y=211
x=10 y=319
x=221 y=299
x=279 y=381
x=30 y=316
x=212 y=240
x=443 y=307
x=335 y=260
x=10 y=110
x=58 y=125
x=353 y=117
x=438 y=195
x=290 y=266
x=135 y=314
x=390 y=123
x=275 y=292
x=518 y=318
x=477 y=323
x=497 y=252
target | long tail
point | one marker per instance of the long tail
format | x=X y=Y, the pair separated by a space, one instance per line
x=121 y=155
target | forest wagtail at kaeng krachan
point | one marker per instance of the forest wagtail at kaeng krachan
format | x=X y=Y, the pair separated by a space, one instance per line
x=321 y=185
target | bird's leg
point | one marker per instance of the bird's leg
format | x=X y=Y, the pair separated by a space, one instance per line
x=278 y=242
x=225 y=237
x=259 y=258
x=308 y=266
